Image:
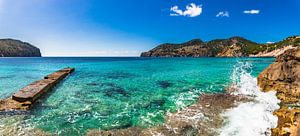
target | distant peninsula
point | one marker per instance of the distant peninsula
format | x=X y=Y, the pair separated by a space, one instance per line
x=231 y=47
x=17 y=48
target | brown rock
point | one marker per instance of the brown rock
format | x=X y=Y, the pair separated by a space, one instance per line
x=283 y=76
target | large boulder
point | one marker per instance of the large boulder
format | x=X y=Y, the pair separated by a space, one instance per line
x=283 y=76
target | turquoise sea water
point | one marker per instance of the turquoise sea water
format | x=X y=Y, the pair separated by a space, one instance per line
x=110 y=93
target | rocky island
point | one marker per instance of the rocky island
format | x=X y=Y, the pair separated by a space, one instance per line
x=17 y=48
x=231 y=47
x=283 y=76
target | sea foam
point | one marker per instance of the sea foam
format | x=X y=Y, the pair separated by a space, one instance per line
x=252 y=118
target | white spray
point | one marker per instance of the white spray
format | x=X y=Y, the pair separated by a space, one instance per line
x=254 y=118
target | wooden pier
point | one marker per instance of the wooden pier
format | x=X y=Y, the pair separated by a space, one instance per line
x=25 y=98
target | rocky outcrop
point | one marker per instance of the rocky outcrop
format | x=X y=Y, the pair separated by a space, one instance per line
x=231 y=47
x=16 y=48
x=283 y=76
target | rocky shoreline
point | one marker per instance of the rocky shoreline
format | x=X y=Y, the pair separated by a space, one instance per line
x=231 y=47
x=205 y=116
x=200 y=119
x=283 y=76
x=218 y=114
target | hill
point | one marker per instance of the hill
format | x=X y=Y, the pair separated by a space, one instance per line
x=17 y=48
x=231 y=47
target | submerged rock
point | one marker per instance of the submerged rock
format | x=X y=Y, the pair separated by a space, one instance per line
x=16 y=126
x=118 y=75
x=283 y=76
x=164 y=84
x=110 y=92
x=200 y=119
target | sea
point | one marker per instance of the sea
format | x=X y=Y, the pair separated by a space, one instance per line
x=108 y=93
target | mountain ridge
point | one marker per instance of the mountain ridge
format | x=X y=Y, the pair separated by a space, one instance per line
x=231 y=47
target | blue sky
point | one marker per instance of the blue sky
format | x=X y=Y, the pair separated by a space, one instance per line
x=128 y=27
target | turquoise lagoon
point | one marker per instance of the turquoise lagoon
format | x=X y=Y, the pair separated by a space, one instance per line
x=109 y=92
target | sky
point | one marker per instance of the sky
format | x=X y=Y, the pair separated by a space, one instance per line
x=128 y=27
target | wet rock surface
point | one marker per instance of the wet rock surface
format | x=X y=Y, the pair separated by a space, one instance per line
x=15 y=126
x=200 y=119
x=283 y=76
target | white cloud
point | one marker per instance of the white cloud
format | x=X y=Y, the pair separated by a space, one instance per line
x=223 y=14
x=253 y=11
x=192 y=10
x=269 y=42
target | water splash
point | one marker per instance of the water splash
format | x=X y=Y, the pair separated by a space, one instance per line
x=253 y=118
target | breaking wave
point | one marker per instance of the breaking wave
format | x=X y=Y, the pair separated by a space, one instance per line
x=252 y=118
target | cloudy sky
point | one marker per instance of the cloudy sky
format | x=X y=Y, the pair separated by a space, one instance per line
x=126 y=28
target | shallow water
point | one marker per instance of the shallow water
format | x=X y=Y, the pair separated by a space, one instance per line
x=109 y=93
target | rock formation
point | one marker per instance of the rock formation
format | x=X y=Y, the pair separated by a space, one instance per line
x=232 y=47
x=283 y=76
x=200 y=119
x=16 y=48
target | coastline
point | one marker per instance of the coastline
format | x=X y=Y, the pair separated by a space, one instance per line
x=149 y=68
x=217 y=114
x=202 y=118
x=225 y=114
x=230 y=47
x=283 y=76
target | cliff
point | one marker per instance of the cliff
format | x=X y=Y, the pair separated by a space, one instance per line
x=17 y=48
x=231 y=47
x=283 y=76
